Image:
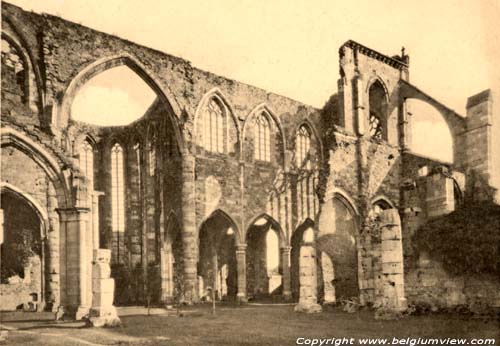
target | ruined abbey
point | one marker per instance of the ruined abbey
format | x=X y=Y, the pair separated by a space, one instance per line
x=186 y=197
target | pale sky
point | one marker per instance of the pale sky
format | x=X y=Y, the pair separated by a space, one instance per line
x=291 y=47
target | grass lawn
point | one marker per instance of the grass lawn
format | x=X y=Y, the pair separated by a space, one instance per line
x=279 y=325
x=253 y=325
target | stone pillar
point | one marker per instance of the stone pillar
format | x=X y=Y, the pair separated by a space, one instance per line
x=393 y=292
x=285 y=260
x=328 y=276
x=189 y=233
x=76 y=265
x=167 y=273
x=241 y=268
x=95 y=219
x=308 y=281
x=103 y=313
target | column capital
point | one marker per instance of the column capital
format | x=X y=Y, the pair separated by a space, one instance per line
x=69 y=213
x=285 y=249
x=241 y=247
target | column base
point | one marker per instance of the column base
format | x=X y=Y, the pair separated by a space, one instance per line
x=104 y=317
x=241 y=298
x=82 y=312
x=287 y=296
x=59 y=312
x=308 y=308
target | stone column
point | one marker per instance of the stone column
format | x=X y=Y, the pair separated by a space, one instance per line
x=328 y=277
x=76 y=285
x=241 y=268
x=189 y=232
x=308 y=281
x=103 y=313
x=393 y=292
x=285 y=260
x=95 y=218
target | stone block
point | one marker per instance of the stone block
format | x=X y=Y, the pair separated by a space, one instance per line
x=100 y=299
x=103 y=285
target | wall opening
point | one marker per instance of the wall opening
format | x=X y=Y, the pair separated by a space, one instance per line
x=377 y=111
x=430 y=134
x=22 y=254
x=115 y=97
x=217 y=258
x=263 y=261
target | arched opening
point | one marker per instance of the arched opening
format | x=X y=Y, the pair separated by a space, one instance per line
x=263 y=260
x=262 y=138
x=14 y=73
x=337 y=237
x=114 y=97
x=377 y=120
x=86 y=161
x=217 y=258
x=430 y=133
x=214 y=125
x=298 y=239
x=345 y=256
x=302 y=147
x=171 y=261
x=22 y=254
x=378 y=206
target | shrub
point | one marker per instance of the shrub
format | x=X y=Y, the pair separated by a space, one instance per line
x=466 y=241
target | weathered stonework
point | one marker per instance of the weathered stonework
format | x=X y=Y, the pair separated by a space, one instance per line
x=178 y=193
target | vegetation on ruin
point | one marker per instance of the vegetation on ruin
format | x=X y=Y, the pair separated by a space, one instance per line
x=16 y=253
x=466 y=241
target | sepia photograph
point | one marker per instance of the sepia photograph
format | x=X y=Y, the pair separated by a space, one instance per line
x=254 y=173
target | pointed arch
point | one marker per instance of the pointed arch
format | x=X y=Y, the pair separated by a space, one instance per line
x=223 y=214
x=262 y=107
x=227 y=108
x=349 y=203
x=86 y=157
x=378 y=116
x=21 y=44
x=33 y=203
x=106 y=63
x=314 y=134
x=383 y=199
x=283 y=239
x=43 y=158
x=276 y=128
x=377 y=79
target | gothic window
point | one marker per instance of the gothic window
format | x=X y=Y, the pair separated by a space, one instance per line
x=117 y=189
x=375 y=126
x=87 y=161
x=378 y=111
x=303 y=142
x=214 y=127
x=262 y=144
x=14 y=77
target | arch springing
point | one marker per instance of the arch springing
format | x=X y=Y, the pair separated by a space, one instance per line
x=262 y=145
x=214 y=120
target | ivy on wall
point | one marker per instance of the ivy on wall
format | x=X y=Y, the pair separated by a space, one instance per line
x=466 y=241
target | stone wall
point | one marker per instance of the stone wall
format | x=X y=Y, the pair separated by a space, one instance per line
x=428 y=284
x=24 y=293
x=171 y=193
